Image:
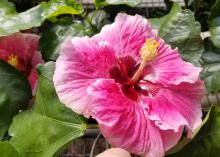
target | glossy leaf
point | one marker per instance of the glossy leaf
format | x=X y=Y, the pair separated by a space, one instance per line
x=206 y=142
x=58 y=7
x=214 y=24
x=7 y=150
x=54 y=36
x=211 y=63
x=34 y=17
x=102 y=3
x=15 y=93
x=49 y=126
x=180 y=29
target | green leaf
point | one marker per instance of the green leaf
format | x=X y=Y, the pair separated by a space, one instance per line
x=180 y=29
x=211 y=67
x=167 y=19
x=158 y=23
x=6 y=9
x=15 y=93
x=101 y=3
x=99 y=18
x=34 y=17
x=52 y=38
x=58 y=7
x=206 y=142
x=214 y=24
x=49 y=126
x=7 y=150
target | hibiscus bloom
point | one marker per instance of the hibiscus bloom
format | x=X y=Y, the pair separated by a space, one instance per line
x=135 y=85
x=21 y=51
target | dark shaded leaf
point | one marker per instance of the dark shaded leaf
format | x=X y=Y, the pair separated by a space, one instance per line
x=214 y=24
x=15 y=93
x=211 y=63
x=54 y=36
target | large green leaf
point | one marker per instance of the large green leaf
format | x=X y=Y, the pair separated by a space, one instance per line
x=180 y=29
x=49 y=126
x=211 y=67
x=52 y=38
x=102 y=3
x=159 y=23
x=214 y=24
x=15 y=93
x=7 y=150
x=34 y=17
x=206 y=142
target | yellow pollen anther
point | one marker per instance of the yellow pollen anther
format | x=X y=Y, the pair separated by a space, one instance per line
x=13 y=60
x=149 y=50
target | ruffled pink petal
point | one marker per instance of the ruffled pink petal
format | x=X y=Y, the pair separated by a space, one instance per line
x=80 y=63
x=169 y=67
x=171 y=138
x=177 y=106
x=127 y=34
x=125 y=124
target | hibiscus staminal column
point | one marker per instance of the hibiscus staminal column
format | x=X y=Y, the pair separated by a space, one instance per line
x=148 y=52
x=13 y=60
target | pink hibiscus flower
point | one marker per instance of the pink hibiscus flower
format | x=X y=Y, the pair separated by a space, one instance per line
x=21 y=51
x=135 y=85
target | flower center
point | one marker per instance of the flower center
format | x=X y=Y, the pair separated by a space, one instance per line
x=132 y=75
x=148 y=52
x=13 y=60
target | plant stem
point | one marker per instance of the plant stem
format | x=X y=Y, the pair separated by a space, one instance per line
x=94 y=144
